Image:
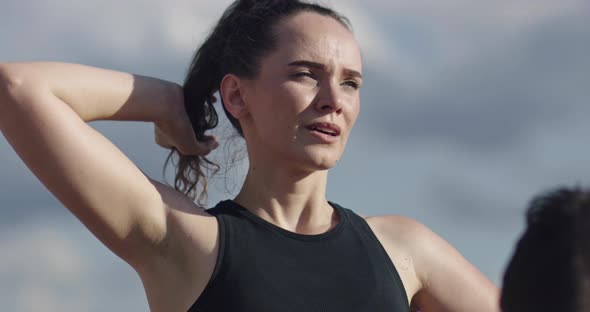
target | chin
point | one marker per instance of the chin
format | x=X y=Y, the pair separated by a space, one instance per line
x=311 y=158
x=320 y=161
x=322 y=166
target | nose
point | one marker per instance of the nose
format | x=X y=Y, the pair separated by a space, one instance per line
x=329 y=99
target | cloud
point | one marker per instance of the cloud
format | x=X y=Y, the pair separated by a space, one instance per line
x=43 y=268
x=61 y=260
x=413 y=38
x=482 y=86
x=36 y=261
x=146 y=37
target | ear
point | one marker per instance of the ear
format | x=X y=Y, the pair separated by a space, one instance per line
x=232 y=95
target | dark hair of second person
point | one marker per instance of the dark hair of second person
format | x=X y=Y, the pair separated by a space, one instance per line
x=550 y=267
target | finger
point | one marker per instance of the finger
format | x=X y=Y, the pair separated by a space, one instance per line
x=208 y=145
x=206 y=140
x=199 y=150
x=204 y=147
x=210 y=139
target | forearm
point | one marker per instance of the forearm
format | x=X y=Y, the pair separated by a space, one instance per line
x=95 y=93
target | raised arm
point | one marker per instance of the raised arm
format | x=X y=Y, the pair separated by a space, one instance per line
x=44 y=108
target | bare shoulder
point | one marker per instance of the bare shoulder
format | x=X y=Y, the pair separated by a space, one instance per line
x=395 y=233
x=442 y=275
x=399 y=229
x=413 y=237
x=404 y=235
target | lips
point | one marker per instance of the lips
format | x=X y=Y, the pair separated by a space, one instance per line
x=325 y=128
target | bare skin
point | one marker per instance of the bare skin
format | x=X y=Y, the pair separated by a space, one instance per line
x=163 y=235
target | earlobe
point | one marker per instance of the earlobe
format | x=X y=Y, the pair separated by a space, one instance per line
x=231 y=93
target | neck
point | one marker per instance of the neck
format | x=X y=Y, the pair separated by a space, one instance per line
x=294 y=201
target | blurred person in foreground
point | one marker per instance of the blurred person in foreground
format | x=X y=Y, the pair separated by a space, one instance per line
x=550 y=268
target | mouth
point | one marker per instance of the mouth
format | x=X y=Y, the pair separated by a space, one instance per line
x=325 y=128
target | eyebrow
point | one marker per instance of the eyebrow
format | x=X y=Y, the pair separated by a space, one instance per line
x=315 y=65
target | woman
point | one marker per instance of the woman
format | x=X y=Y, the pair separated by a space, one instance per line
x=289 y=75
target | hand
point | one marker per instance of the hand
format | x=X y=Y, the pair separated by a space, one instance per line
x=177 y=132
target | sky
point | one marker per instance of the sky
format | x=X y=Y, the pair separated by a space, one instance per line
x=469 y=108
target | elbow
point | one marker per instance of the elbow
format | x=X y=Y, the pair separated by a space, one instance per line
x=14 y=83
x=9 y=74
x=10 y=81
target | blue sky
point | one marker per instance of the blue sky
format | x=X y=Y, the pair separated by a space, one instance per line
x=469 y=108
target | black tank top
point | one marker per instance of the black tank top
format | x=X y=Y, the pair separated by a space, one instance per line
x=264 y=268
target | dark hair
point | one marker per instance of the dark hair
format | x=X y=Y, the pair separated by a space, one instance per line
x=241 y=38
x=550 y=267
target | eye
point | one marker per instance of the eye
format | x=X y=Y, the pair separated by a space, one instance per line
x=304 y=74
x=353 y=84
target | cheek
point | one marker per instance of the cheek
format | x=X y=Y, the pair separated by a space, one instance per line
x=287 y=102
x=296 y=96
x=276 y=113
x=353 y=113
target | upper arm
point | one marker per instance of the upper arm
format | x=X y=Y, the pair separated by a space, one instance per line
x=90 y=176
x=449 y=281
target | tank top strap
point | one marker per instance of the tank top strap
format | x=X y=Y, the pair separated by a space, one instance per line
x=223 y=233
x=360 y=225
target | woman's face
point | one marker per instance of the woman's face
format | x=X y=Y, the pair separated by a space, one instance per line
x=305 y=100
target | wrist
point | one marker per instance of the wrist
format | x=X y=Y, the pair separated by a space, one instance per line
x=172 y=105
